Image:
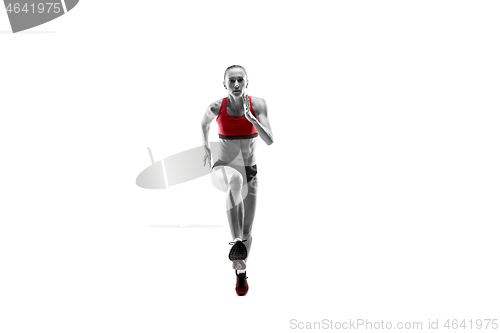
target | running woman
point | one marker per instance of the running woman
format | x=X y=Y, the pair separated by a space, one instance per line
x=241 y=119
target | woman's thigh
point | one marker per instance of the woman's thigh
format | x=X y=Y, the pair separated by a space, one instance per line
x=221 y=176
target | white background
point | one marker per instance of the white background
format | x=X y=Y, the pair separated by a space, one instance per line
x=378 y=200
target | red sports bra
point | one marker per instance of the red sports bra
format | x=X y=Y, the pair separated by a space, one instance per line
x=234 y=128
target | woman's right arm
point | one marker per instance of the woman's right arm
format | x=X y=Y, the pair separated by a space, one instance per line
x=210 y=114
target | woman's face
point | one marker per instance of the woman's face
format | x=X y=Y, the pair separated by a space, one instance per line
x=236 y=81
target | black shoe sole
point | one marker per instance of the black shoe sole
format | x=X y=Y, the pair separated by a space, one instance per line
x=238 y=251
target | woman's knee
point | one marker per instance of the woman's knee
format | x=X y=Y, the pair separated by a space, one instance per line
x=236 y=182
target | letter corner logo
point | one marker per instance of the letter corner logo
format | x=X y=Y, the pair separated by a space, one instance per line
x=26 y=14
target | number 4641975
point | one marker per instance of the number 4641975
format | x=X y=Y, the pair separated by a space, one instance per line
x=39 y=8
x=472 y=324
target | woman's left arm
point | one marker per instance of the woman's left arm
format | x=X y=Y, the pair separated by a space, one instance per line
x=262 y=124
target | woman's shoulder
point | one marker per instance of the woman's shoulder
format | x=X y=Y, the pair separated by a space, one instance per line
x=258 y=104
x=214 y=107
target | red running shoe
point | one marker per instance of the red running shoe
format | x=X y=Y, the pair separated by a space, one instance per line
x=241 y=283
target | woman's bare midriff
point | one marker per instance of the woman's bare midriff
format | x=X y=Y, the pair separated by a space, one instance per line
x=238 y=152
